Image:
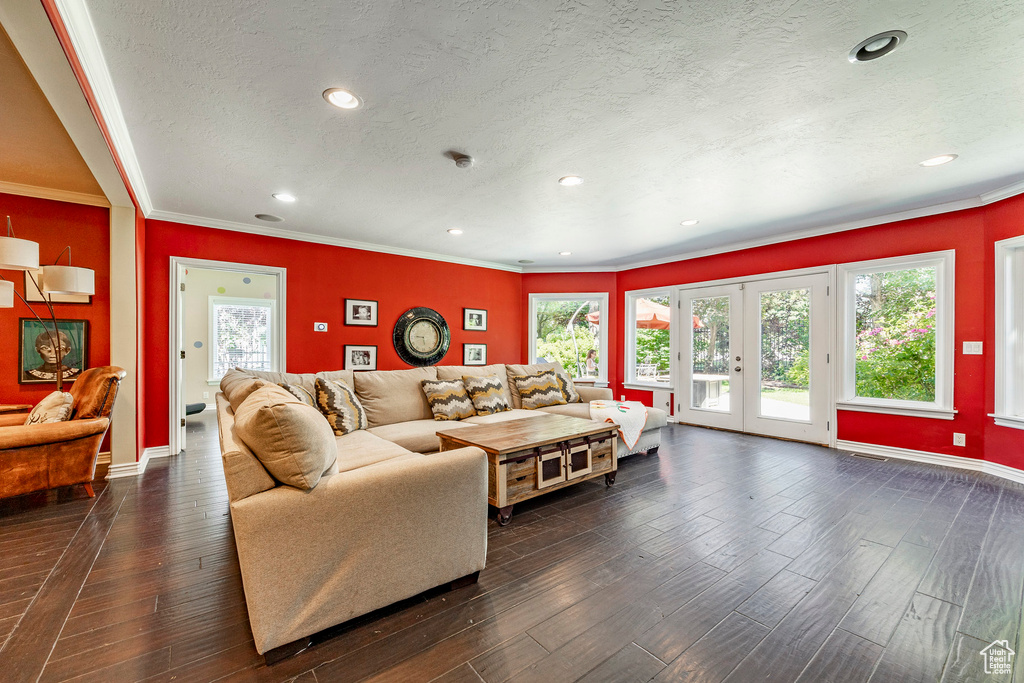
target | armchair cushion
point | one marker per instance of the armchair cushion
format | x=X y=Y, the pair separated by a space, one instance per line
x=94 y=391
x=25 y=436
x=54 y=408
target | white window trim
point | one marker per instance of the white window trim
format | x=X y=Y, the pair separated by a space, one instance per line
x=602 y=368
x=1009 y=341
x=629 y=371
x=942 y=407
x=215 y=301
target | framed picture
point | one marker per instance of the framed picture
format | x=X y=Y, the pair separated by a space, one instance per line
x=474 y=319
x=37 y=350
x=33 y=295
x=474 y=354
x=361 y=312
x=360 y=357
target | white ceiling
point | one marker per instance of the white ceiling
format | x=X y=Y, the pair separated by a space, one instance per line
x=744 y=114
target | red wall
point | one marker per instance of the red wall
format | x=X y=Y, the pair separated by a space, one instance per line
x=55 y=225
x=319 y=279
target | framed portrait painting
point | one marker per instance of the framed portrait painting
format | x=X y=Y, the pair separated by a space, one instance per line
x=474 y=354
x=474 y=319
x=361 y=312
x=37 y=350
x=360 y=357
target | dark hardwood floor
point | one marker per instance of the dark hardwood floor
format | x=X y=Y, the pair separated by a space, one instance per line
x=723 y=558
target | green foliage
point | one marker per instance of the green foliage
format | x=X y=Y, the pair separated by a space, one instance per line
x=558 y=346
x=652 y=346
x=799 y=373
x=785 y=330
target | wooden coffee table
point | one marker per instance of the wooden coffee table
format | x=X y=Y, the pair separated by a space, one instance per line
x=535 y=455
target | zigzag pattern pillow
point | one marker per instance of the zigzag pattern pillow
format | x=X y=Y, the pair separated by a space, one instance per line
x=299 y=393
x=487 y=394
x=448 y=399
x=540 y=390
x=339 y=404
x=566 y=385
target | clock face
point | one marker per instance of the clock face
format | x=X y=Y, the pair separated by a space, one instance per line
x=421 y=336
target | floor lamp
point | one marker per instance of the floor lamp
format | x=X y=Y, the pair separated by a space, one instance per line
x=23 y=255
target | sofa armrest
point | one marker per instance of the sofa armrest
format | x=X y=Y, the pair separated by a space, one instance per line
x=24 y=436
x=12 y=419
x=588 y=394
x=358 y=541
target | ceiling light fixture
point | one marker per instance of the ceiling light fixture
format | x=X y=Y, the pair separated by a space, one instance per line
x=877 y=46
x=284 y=197
x=939 y=160
x=525 y=260
x=570 y=180
x=565 y=253
x=689 y=221
x=341 y=98
x=454 y=231
x=269 y=217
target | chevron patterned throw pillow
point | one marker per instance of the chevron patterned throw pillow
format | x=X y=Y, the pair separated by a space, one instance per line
x=540 y=390
x=448 y=399
x=487 y=394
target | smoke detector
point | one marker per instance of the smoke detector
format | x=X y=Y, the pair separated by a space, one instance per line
x=463 y=160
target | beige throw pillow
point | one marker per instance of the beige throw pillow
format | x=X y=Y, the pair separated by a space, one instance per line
x=54 y=408
x=291 y=439
x=237 y=385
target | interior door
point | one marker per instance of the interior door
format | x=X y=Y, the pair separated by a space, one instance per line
x=180 y=376
x=755 y=357
x=711 y=349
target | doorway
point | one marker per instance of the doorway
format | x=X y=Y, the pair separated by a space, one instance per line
x=756 y=356
x=222 y=315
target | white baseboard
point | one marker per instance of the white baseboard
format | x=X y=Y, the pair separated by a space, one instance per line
x=134 y=469
x=103 y=458
x=995 y=469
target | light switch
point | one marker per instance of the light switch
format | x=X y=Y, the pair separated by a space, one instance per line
x=972 y=348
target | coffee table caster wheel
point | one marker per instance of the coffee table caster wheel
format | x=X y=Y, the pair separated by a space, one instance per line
x=504 y=515
x=609 y=479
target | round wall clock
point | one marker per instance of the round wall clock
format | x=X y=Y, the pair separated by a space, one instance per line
x=421 y=336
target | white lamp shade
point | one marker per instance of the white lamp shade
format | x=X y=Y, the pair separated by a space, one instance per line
x=68 y=280
x=6 y=294
x=18 y=254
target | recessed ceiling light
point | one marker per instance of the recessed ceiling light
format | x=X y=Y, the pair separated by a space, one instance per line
x=877 y=46
x=342 y=98
x=565 y=253
x=939 y=160
x=269 y=217
x=454 y=231
x=690 y=221
x=284 y=197
x=570 y=180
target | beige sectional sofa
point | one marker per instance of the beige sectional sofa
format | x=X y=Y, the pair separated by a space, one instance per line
x=389 y=519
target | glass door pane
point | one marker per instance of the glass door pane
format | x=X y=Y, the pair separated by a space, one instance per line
x=709 y=361
x=785 y=352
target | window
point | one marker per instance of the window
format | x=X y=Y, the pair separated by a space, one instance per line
x=570 y=329
x=240 y=335
x=897 y=335
x=1010 y=333
x=648 y=338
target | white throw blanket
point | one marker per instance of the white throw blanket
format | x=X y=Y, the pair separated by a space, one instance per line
x=631 y=416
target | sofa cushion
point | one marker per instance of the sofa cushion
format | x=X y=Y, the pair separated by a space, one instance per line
x=539 y=389
x=339 y=405
x=514 y=414
x=362 y=448
x=391 y=396
x=513 y=370
x=300 y=392
x=488 y=394
x=464 y=371
x=55 y=407
x=337 y=376
x=237 y=385
x=580 y=410
x=448 y=399
x=304 y=380
x=415 y=435
x=291 y=439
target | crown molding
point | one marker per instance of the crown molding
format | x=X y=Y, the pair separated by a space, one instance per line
x=266 y=231
x=56 y=195
x=78 y=23
x=1002 y=193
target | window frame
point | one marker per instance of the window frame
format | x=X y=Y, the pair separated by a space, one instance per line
x=629 y=369
x=1009 y=341
x=212 y=304
x=602 y=297
x=942 y=407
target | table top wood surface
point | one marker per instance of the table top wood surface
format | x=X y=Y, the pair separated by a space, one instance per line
x=529 y=432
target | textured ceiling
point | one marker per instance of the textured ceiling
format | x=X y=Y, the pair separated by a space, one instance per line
x=743 y=114
x=36 y=150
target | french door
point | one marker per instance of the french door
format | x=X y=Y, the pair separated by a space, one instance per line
x=755 y=357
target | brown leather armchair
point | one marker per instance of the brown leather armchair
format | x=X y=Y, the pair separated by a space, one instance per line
x=45 y=456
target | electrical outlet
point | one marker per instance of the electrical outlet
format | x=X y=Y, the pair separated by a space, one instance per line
x=622 y=397
x=972 y=348
x=959 y=439
x=319 y=327
x=206 y=394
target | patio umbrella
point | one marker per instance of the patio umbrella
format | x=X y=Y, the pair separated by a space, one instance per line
x=649 y=315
